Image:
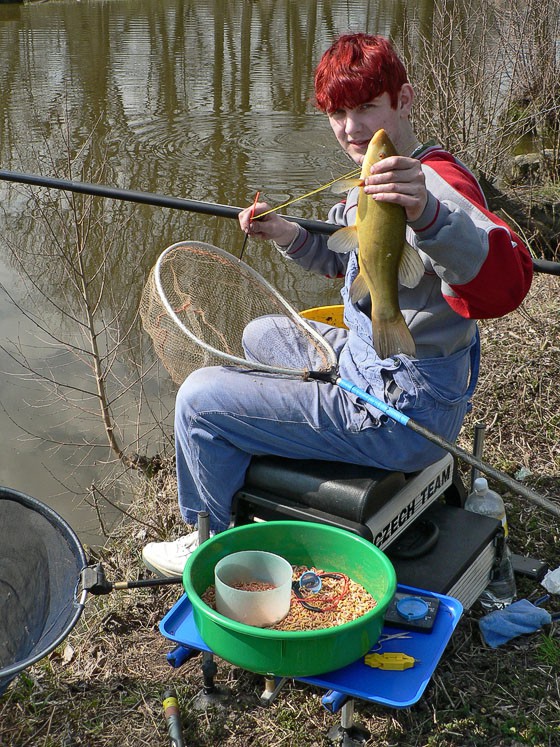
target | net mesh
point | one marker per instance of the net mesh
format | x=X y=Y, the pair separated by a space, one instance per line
x=199 y=299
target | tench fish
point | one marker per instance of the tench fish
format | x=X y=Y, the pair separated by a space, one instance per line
x=384 y=257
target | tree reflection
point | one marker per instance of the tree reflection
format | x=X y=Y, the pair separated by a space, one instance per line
x=212 y=101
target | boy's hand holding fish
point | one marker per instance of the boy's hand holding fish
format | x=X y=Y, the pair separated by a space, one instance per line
x=379 y=235
x=396 y=179
x=400 y=180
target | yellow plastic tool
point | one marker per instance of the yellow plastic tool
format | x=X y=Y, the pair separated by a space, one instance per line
x=393 y=661
x=328 y=314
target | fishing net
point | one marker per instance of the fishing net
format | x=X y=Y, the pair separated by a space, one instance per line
x=41 y=560
x=199 y=300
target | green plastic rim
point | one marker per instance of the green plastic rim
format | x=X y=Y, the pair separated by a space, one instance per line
x=292 y=653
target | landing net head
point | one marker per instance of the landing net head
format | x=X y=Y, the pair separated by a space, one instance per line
x=201 y=304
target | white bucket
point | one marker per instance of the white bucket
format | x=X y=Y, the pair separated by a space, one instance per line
x=258 y=608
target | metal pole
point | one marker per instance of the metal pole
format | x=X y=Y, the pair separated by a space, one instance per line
x=347 y=717
x=479 y=432
x=203 y=526
x=209 y=668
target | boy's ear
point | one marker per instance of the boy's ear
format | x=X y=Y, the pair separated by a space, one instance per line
x=406 y=99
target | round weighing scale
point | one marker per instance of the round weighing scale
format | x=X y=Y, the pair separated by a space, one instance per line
x=412 y=608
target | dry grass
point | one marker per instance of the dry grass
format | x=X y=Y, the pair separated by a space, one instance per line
x=104 y=687
x=517 y=393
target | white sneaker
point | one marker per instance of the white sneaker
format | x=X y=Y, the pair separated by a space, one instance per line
x=169 y=558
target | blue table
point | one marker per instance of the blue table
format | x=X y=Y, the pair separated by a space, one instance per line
x=399 y=689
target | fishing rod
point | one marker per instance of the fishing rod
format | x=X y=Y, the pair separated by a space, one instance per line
x=150 y=198
x=194 y=206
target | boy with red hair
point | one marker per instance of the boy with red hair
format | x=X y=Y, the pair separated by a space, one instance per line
x=475 y=267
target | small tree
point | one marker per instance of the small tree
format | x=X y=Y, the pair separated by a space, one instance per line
x=94 y=365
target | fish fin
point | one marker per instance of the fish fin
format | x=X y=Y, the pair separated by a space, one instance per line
x=411 y=267
x=359 y=288
x=393 y=337
x=344 y=240
x=344 y=185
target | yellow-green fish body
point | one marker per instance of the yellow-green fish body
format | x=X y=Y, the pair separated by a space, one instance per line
x=384 y=257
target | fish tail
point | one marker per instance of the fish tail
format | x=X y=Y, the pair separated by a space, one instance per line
x=391 y=337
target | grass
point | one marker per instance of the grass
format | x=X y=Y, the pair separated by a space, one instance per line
x=548 y=652
x=104 y=686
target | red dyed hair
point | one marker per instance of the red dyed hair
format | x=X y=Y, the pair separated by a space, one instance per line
x=355 y=69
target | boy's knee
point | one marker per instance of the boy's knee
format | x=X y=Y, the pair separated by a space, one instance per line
x=261 y=335
x=211 y=389
x=198 y=389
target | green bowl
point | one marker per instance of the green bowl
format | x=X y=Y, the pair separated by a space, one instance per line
x=292 y=653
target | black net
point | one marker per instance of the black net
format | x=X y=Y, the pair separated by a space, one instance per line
x=41 y=560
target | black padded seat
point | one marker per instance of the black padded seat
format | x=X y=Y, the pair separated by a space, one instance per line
x=416 y=518
x=349 y=491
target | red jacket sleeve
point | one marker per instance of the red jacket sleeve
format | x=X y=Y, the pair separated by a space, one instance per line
x=504 y=277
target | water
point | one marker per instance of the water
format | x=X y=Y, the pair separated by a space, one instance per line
x=209 y=101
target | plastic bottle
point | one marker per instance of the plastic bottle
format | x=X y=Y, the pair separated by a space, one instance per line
x=501 y=590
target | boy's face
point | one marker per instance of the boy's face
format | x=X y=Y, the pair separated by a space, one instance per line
x=354 y=128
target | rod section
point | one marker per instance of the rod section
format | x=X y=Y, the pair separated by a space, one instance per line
x=151 y=198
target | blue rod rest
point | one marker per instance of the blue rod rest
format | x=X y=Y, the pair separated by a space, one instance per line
x=333 y=700
x=180 y=655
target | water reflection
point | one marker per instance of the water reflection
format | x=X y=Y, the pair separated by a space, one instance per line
x=209 y=101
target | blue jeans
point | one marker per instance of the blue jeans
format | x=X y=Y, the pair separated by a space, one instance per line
x=225 y=415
